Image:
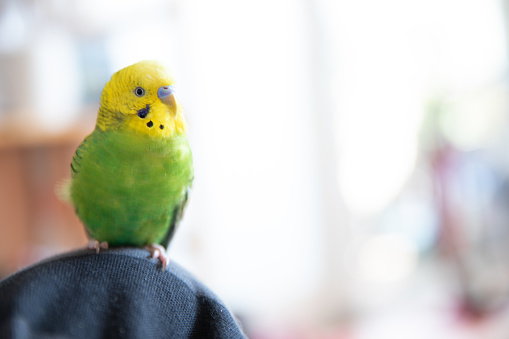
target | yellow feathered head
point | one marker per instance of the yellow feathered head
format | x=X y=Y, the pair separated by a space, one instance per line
x=141 y=98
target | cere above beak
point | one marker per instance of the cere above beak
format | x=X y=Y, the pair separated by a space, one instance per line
x=167 y=95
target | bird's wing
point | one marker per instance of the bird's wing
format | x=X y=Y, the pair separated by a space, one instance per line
x=178 y=212
x=78 y=157
x=63 y=187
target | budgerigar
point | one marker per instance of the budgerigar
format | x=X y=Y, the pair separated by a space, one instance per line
x=132 y=175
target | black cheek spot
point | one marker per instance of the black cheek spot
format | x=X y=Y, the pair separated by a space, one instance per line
x=142 y=113
x=150 y=123
x=161 y=126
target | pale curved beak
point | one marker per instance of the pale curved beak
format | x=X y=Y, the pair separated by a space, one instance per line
x=167 y=95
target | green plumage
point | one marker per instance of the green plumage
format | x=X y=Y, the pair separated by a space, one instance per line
x=130 y=189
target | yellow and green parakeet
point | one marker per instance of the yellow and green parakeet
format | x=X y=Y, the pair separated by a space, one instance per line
x=132 y=175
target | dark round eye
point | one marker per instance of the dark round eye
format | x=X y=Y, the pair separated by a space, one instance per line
x=139 y=91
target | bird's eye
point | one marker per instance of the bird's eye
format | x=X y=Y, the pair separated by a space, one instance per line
x=139 y=91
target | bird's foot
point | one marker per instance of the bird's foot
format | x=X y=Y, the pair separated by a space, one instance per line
x=94 y=244
x=158 y=251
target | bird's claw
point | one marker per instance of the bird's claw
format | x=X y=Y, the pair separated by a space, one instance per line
x=158 y=251
x=94 y=244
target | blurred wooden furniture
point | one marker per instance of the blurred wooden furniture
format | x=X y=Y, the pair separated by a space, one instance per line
x=33 y=222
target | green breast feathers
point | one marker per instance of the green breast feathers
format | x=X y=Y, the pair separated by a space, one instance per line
x=131 y=190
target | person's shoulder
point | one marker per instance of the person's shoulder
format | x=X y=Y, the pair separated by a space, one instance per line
x=116 y=290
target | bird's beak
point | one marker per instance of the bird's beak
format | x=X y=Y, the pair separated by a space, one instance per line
x=167 y=96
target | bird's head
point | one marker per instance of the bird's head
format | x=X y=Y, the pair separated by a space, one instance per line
x=141 y=98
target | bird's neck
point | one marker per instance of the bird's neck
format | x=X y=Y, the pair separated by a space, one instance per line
x=108 y=120
x=157 y=126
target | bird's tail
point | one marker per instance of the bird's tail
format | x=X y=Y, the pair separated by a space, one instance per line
x=63 y=190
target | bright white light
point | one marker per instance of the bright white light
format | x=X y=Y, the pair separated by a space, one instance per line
x=379 y=91
x=151 y=41
x=375 y=165
x=55 y=91
x=384 y=79
x=387 y=258
x=469 y=42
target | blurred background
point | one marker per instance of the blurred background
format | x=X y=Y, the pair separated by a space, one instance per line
x=351 y=157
